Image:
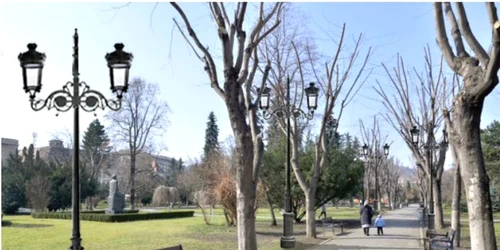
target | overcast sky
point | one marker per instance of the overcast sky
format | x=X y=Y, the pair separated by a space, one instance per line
x=162 y=56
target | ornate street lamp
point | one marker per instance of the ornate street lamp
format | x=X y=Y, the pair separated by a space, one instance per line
x=415 y=135
x=288 y=240
x=386 y=149
x=264 y=98
x=312 y=97
x=365 y=150
x=32 y=63
x=63 y=100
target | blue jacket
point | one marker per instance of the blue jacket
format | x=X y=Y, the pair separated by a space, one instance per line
x=379 y=222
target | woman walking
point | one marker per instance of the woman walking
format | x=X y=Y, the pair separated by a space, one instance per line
x=366 y=214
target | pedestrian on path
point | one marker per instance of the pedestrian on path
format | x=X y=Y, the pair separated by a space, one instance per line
x=323 y=212
x=366 y=214
x=380 y=224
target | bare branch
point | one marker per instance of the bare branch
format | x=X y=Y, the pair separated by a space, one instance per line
x=208 y=57
x=442 y=38
x=455 y=31
x=469 y=36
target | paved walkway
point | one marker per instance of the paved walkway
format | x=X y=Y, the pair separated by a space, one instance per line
x=402 y=232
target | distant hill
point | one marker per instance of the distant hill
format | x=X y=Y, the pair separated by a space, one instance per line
x=407 y=172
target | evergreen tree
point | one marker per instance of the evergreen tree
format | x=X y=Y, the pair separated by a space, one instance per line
x=211 y=136
x=95 y=147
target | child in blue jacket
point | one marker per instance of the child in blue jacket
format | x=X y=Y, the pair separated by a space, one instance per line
x=380 y=224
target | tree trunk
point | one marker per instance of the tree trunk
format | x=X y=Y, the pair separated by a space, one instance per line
x=438 y=204
x=389 y=200
x=132 y=181
x=246 y=182
x=377 y=192
x=271 y=208
x=476 y=182
x=310 y=214
x=455 y=205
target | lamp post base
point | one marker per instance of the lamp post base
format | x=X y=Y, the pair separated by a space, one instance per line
x=287 y=240
x=430 y=221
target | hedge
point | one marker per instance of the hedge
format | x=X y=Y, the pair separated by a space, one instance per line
x=115 y=217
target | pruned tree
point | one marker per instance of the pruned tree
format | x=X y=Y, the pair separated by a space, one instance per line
x=405 y=110
x=375 y=159
x=480 y=76
x=297 y=59
x=142 y=116
x=390 y=177
x=239 y=67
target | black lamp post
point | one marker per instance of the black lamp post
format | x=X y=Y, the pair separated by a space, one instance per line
x=368 y=156
x=32 y=62
x=429 y=146
x=288 y=240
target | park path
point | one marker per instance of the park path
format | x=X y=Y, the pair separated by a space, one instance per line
x=402 y=232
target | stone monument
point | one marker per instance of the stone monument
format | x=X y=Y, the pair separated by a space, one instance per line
x=116 y=200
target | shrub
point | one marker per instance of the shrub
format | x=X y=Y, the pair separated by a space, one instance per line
x=463 y=206
x=115 y=217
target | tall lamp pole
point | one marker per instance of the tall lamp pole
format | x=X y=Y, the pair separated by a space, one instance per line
x=32 y=63
x=429 y=147
x=288 y=240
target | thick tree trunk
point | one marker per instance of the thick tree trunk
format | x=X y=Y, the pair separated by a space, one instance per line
x=466 y=126
x=132 y=181
x=246 y=192
x=455 y=205
x=310 y=214
x=246 y=182
x=438 y=204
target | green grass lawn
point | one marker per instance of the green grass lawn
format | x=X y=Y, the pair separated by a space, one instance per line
x=28 y=233
x=335 y=213
x=447 y=214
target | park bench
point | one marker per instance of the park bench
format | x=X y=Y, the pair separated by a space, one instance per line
x=329 y=223
x=442 y=241
x=178 y=247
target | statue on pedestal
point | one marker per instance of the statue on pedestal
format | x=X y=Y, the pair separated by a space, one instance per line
x=116 y=200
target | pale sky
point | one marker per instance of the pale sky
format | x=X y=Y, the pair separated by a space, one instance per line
x=162 y=56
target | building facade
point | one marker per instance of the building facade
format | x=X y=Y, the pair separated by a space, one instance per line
x=9 y=146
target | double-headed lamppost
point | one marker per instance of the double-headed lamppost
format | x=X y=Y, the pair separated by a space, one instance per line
x=63 y=100
x=429 y=146
x=368 y=156
x=288 y=240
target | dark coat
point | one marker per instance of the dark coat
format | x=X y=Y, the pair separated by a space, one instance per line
x=366 y=214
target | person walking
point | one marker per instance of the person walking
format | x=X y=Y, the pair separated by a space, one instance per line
x=380 y=224
x=323 y=212
x=366 y=215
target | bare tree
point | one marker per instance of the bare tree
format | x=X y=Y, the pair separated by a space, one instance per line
x=376 y=161
x=337 y=91
x=405 y=110
x=390 y=180
x=480 y=77
x=37 y=193
x=142 y=116
x=237 y=95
